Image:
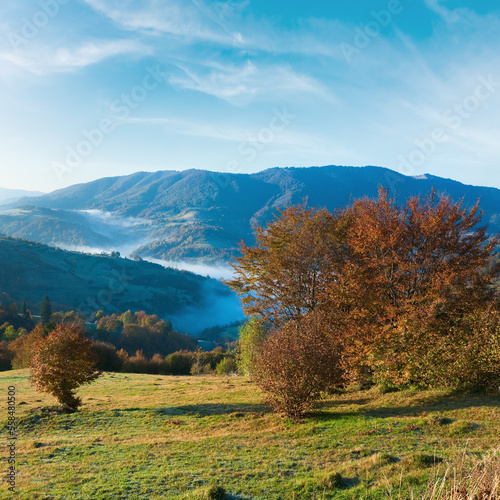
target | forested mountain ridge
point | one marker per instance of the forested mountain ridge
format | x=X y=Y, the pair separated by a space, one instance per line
x=198 y=215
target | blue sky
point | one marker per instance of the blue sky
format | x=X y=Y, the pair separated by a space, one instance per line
x=96 y=88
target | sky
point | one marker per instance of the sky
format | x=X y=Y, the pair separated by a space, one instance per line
x=99 y=88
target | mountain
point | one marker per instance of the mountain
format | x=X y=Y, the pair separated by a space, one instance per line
x=88 y=283
x=56 y=227
x=197 y=215
x=12 y=195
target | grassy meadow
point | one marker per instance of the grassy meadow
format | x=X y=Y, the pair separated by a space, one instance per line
x=165 y=437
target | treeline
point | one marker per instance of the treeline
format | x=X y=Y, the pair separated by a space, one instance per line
x=375 y=293
x=139 y=331
x=183 y=362
x=129 y=342
x=128 y=331
x=18 y=354
x=14 y=321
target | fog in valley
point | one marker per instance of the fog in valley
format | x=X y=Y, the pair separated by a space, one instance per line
x=128 y=234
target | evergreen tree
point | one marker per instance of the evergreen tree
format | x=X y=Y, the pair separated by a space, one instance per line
x=45 y=310
x=24 y=311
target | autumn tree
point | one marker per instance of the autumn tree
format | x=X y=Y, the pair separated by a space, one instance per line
x=22 y=347
x=295 y=258
x=63 y=361
x=408 y=283
x=413 y=274
x=5 y=356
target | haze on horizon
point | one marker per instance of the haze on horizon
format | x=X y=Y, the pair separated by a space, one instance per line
x=99 y=88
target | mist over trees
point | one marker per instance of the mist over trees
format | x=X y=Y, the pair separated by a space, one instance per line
x=407 y=293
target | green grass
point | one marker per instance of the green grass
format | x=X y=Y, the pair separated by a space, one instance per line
x=161 y=437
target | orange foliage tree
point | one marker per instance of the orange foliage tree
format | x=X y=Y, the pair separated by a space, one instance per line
x=412 y=286
x=413 y=275
x=289 y=270
x=63 y=361
x=22 y=347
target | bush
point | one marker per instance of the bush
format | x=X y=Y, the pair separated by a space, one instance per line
x=136 y=364
x=63 y=361
x=465 y=357
x=215 y=492
x=156 y=365
x=226 y=367
x=108 y=358
x=198 y=368
x=179 y=363
x=296 y=363
x=251 y=334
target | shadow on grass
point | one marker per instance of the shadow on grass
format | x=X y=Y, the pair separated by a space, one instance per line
x=350 y=482
x=204 y=409
x=432 y=404
x=423 y=403
x=329 y=411
x=41 y=417
x=347 y=402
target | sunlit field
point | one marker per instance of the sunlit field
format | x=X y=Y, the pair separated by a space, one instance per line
x=152 y=437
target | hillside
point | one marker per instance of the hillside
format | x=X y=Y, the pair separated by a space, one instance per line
x=197 y=215
x=12 y=195
x=87 y=283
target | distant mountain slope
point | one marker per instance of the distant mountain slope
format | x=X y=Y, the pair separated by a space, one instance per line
x=12 y=195
x=87 y=283
x=58 y=227
x=198 y=215
x=50 y=226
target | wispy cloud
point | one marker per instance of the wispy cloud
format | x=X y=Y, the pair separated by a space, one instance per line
x=223 y=23
x=458 y=17
x=41 y=60
x=449 y=16
x=183 y=19
x=229 y=132
x=190 y=128
x=240 y=84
